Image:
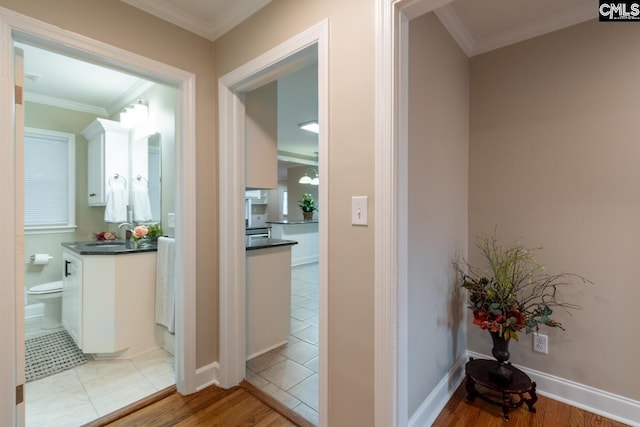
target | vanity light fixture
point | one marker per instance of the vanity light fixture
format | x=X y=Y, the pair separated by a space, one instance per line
x=134 y=115
x=311 y=126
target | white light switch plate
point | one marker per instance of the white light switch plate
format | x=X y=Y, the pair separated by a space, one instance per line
x=359 y=210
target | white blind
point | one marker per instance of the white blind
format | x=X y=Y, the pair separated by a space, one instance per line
x=46 y=180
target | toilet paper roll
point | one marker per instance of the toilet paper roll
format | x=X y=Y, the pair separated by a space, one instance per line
x=40 y=259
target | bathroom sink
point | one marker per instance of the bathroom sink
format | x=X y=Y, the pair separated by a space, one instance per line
x=107 y=244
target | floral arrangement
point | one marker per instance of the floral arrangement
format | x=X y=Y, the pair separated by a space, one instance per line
x=105 y=235
x=513 y=292
x=307 y=204
x=142 y=231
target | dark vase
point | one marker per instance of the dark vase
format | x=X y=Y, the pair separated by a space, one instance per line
x=501 y=374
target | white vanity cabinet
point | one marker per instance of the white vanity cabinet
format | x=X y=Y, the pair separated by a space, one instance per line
x=108 y=302
x=108 y=157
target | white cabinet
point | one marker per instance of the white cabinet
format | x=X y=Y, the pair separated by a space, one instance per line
x=72 y=296
x=108 y=157
x=108 y=302
x=261 y=107
x=268 y=299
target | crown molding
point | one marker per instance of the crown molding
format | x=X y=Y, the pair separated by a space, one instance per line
x=571 y=17
x=451 y=21
x=472 y=47
x=235 y=13
x=63 y=103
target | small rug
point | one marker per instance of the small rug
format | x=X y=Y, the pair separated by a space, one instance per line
x=50 y=354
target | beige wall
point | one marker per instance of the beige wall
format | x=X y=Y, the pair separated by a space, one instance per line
x=554 y=155
x=114 y=22
x=351 y=140
x=437 y=207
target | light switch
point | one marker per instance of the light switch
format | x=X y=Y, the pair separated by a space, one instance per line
x=171 y=220
x=359 y=210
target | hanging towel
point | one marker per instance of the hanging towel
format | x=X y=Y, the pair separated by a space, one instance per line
x=116 y=206
x=165 y=287
x=141 y=203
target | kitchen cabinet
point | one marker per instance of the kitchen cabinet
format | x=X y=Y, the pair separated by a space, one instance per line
x=261 y=153
x=108 y=302
x=108 y=158
x=268 y=299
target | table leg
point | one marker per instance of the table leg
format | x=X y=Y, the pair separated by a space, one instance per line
x=534 y=398
x=506 y=402
x=470 y=386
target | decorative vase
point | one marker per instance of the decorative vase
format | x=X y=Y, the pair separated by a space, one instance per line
x=500 y=374
x=143 y=242
x=307 y=215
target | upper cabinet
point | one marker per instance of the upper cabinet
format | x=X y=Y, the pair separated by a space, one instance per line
x=261 y=106
x=108 y=158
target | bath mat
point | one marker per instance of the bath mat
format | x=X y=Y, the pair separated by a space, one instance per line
x=50 y=354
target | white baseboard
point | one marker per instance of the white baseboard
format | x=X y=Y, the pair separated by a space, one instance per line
x=304 y=260
x=609 y=405
x=207 y=375
x=431 y=407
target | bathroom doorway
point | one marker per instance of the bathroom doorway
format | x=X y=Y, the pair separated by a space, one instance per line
x=55 y=86
x=46 y=36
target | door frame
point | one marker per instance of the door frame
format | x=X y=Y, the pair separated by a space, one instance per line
x=12 y=243
x=391 y=206
x=282 y=59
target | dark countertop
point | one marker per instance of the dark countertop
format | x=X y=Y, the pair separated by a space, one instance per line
x=107 y=247
x=258 y=227
x=311 y=221
x=257 y=242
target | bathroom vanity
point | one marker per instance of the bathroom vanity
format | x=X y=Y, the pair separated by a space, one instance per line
x=108 y=297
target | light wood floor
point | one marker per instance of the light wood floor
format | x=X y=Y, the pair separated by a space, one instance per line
x=247 y=406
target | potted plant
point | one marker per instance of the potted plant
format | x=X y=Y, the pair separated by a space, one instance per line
x=308 y=205
x=510 y=293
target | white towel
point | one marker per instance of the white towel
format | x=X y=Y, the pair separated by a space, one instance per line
x=165 y=283
x=116 y=206
x=141 y=203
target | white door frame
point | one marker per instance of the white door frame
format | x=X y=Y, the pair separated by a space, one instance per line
x=267 y=67
x=12 y=242
x=391 y=226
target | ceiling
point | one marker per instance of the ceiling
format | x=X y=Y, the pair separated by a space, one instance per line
x=477 y=25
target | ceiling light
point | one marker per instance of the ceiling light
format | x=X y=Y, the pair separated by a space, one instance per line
x=311 y=126
x=306 y=179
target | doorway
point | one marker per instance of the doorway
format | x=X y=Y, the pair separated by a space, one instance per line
x=15 y=27
x=289 y=56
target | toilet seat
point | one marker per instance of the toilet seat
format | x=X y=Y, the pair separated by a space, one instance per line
x=46 y=288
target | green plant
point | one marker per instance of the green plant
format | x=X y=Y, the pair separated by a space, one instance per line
x=154 y=230
x=307 y=204
x=512 y=292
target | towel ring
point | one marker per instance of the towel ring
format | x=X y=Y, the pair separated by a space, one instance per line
x=142 y=178
x=118 y=176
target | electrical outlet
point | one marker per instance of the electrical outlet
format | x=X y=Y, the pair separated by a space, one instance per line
x=540 y=343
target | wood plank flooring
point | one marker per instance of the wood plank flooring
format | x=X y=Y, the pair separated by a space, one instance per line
x=459 y=413
x=210 y=407
x=245 y=405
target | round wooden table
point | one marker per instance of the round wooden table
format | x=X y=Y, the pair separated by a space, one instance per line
x=477 y=373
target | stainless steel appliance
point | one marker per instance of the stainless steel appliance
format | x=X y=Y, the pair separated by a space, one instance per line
x=258 y=231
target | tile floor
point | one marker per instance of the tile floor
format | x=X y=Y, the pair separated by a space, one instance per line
x=99 y=387
x=290 y=373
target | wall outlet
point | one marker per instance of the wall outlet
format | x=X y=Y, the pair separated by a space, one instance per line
x=540 y=343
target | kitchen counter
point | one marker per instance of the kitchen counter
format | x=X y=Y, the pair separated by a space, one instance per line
x=310 y=221
x=260 y=242
x=107 y=247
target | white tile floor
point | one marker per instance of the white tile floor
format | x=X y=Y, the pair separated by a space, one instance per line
x=290 y=373
x=99 y=387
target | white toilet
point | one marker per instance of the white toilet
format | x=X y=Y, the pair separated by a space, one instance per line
x=50 y=294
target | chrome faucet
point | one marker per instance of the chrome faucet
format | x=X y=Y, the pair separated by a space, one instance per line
x=128 y=230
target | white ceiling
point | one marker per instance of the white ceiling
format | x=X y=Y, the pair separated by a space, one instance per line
x=477 y=25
